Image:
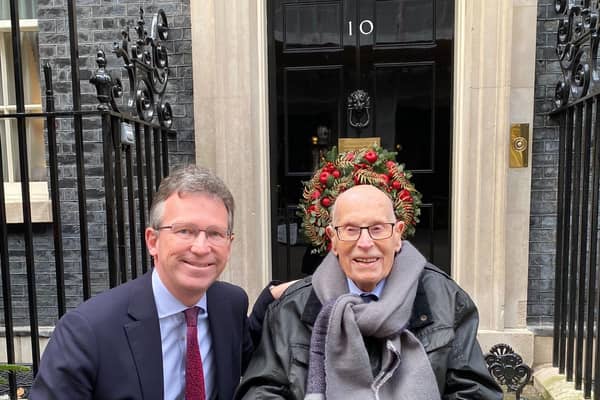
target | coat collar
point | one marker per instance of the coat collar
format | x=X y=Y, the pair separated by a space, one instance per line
x=143 y=333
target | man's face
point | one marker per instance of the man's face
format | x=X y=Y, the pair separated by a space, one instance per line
x=188 y=267
x=365 y=261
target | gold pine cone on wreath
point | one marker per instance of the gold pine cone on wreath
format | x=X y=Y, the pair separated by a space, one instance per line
x=340 y=171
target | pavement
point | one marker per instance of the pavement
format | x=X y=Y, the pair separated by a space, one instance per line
x=548 y=384
x=553 y=386
x=529 y=393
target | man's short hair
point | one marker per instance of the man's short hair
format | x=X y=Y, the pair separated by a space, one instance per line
x=191 y=179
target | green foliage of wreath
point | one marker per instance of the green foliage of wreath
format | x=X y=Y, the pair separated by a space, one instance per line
x=340 y=171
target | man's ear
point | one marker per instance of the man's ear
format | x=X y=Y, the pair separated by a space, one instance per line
x=152 y=241
x=330 y=231
x=229 y=245
x=398 y=231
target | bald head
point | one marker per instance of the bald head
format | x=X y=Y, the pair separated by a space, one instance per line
x=370 y=212
x=361 y=197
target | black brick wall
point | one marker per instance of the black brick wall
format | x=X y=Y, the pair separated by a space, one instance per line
x=99 y=25
x=542 y=234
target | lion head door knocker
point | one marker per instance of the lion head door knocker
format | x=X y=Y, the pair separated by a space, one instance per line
x=359 y=104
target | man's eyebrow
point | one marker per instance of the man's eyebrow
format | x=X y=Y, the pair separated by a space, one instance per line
x=217 y=227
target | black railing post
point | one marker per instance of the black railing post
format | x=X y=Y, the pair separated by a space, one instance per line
x=25 y=194
x=157 y=156
x=6 y=286
x=592 y=279
x=56 y=213
x=141 y=196
x=79 y=150
x=565 y=211
x=109 y=195
x=558 y=259
x=149 y=163
x=164 y=140
x=131 y=211
x=118 y=185
x=574 y=233
x=583 y=179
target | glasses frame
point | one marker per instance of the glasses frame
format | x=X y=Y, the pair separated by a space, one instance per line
x=368 y=228
x=228 y=233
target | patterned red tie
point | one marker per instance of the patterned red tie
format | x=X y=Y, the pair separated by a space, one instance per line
x=194 y=376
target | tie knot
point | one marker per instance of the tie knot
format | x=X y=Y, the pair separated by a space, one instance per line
x=369 y=297
x=191 y=316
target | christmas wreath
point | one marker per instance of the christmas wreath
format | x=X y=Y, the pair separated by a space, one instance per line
x=340 y=171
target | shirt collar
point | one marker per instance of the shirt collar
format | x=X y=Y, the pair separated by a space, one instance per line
x=355 y=290
x=166 y=303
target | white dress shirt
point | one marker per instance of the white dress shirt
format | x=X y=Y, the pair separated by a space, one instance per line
x=173 y=330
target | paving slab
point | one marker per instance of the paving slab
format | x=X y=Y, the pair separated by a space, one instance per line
x=554 y=386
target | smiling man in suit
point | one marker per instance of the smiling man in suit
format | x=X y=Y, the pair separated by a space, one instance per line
x=174 y=333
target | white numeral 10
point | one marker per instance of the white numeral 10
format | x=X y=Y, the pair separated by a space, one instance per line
x=365 y=23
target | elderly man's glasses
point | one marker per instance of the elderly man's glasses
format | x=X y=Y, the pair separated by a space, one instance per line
x=351 y=233
x=189 y=233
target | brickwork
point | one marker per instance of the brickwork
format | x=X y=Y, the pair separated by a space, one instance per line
x=99 y=25
x=542 y=236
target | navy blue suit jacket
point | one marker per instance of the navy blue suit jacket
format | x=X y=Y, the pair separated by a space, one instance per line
x=110 y=347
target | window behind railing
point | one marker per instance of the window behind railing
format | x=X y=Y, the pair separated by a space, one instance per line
x=33 y=103
x=28 y=26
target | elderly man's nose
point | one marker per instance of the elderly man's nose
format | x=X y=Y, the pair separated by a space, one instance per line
x=364 y=239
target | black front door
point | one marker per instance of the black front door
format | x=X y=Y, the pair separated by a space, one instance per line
x=400 y=53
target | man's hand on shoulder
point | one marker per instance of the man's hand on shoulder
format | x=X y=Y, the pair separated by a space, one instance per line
x=277 y=290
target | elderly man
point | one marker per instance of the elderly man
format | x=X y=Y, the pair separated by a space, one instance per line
x=174 y=333
x=376 y=321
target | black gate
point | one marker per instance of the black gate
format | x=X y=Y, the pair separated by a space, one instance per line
x=135 y=122
x=577 y=300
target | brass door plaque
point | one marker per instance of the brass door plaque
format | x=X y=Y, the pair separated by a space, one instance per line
x=350 y=144
x=519 y=145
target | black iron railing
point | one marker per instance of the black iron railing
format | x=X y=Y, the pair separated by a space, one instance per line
x=577 y=99
x=134 y=157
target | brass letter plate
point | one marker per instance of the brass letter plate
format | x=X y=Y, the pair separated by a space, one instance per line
x=350 y=144
x=519 y=145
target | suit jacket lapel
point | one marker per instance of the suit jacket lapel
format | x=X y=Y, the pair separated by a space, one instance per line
x=222 y=339
x=143 y=334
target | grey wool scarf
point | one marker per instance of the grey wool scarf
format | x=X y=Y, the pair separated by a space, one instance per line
x=339 y=367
